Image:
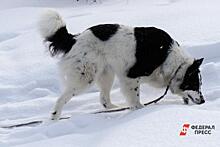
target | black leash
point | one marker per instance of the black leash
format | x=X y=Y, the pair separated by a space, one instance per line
x=28 y=124
x=127 y=108
x=154 y=101
x=32 y=123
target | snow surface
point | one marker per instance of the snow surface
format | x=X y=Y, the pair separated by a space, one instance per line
x=29 y=84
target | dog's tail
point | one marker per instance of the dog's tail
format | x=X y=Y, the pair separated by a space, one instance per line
x=53 y=29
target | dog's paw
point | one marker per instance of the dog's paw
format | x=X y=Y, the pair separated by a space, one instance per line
x=109 y=106
x=136 y=107
x=55 y=116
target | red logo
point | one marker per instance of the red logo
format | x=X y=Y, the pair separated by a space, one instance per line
x=184 y=130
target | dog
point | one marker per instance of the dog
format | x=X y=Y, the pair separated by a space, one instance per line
x=134 y=54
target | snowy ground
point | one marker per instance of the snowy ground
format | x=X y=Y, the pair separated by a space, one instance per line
x=29 y=83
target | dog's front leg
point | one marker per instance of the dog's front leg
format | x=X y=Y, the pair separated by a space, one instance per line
x=130 y=88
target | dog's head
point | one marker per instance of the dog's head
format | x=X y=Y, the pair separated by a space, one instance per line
x=190 y=86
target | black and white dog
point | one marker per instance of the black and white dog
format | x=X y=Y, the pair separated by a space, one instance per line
x=134 y=55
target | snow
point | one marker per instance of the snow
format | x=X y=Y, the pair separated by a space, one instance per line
x=29 y=84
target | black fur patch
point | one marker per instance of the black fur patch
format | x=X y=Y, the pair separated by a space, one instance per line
x=54 y=113
x=135 y=89
x=152 y=49
x=104 y=105
x=61 y=42
x=104 y=31
x=191 y=79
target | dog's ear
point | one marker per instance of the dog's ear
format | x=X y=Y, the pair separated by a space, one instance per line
x=197 y=62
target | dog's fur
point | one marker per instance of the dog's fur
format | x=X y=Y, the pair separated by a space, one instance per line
x=134 y=55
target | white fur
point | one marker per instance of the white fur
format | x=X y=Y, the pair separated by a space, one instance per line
x=49 y=22
x=92 y=60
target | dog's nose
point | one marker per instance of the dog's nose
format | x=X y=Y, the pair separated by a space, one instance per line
x=202 y=101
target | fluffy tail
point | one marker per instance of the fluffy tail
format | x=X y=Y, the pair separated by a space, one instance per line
x=53 y=29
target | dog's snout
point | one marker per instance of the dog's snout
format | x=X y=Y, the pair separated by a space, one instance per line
x=199 y=100
x=202 y=101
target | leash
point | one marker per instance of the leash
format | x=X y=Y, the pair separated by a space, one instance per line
x=145 y=104
x=28 y=124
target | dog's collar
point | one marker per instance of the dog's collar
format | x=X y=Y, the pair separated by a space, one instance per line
x=175 y=73
x=169 y=83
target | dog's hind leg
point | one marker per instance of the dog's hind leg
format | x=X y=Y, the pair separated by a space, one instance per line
x=62 y=100
x=105 y=81
x=130 y=89
x=75 y=81
x=66 y=97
